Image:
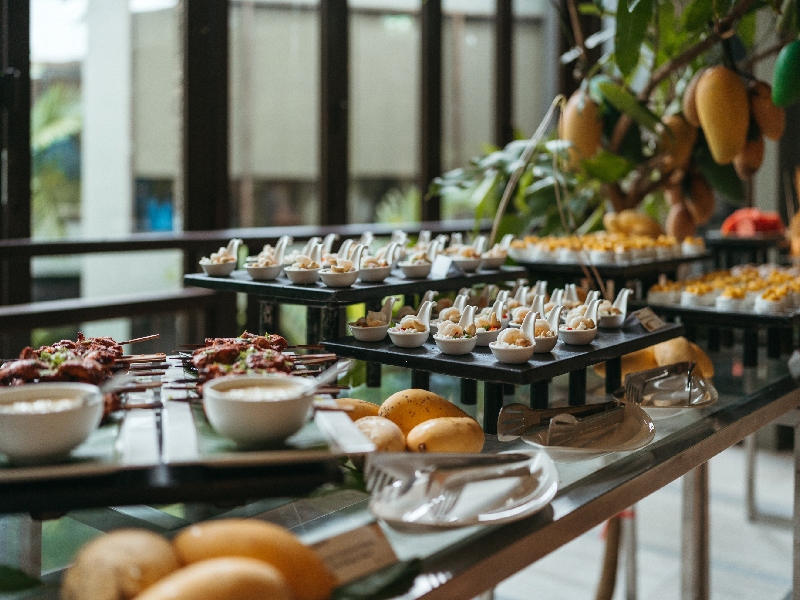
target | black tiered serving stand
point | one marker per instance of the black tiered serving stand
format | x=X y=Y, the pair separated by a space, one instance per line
x=480 y=365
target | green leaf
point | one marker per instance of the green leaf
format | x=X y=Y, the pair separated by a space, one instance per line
x=697 y=15
x=746 y=30
x=631 y=28
x=590 y=9
x=721 y=7
x=627 y=103
x=594 y=222
x=541 y=196
x=14 y=580
x=520 y=195
x=723 y=178
x=607 y=167
x=392 y=581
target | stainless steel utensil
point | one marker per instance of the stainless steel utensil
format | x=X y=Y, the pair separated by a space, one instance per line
x=567 y=430
x=636 y=383
x=516 y=419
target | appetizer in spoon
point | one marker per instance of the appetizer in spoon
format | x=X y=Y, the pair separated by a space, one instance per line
x=515 y=346
x=413 y=331
x=374 y=326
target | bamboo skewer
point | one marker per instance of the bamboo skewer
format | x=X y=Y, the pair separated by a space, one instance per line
x=140 y=339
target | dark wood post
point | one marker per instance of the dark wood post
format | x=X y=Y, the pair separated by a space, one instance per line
x=430 y=134
x=503 y=88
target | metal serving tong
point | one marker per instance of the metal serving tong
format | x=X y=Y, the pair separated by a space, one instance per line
x=389 y=475
x=567 y=430
x=637 y=385
x=517 y=420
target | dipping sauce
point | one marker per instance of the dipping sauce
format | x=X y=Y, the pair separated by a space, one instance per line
x=264 y=393
x=40 y=406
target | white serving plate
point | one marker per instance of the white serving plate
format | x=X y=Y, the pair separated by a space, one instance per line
x=490 y=502
x=635 y=432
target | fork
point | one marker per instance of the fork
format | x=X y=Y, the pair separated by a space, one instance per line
x=398 y=470
x=446 y=487
x=517 y=419
x=636 y=383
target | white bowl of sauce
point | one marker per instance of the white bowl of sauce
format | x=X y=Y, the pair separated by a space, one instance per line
x=258 y=410
x=44 y=422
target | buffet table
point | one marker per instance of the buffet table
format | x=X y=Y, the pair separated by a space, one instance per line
x=465 y=562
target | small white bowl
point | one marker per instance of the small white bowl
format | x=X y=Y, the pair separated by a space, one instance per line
x=468 y=265
x=512 y=356
x=265 y=421
x=768 y=306
x=412 y=339
x=338 y=280
x=415 y=271
x=692 y=299
x=302 y=276
x=610 y=321
x=491 y=263
x=732 y=304
x=219 y=269
x=30 y=438
x=602 y=257
x=576 y=337
x=264 y=273
x=544 y=344
x=486 y=337
x=369 y=334
x=374 y=274
x=455 y=345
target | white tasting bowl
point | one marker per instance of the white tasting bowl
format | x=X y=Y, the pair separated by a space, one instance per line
x=264 y=273
x=545 y=344
x=369 y=334
x=219 y=269
x=30 y=438
x=513 y=356
x=415 y=271
x=412 y=339
x=338 y=280
x=577 y=337
x=253 y=422
x=455 y=345
x=302 y=276
x=374 y=274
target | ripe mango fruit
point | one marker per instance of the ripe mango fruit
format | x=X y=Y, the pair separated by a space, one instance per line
x=749 y=160
x=382 y=432
x=581 y=124
x=357 y=409
x=771 y=119
x=785 y=82
x=701 y=199
x=446 y=434
x=409 y=408
x=723 y=107
x=689 y=103
x=304 y=572
x=678 y=146
x=679 y=223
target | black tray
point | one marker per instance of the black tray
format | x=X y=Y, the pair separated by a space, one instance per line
x=710 y=315
x=481 y=365
x=319 y=294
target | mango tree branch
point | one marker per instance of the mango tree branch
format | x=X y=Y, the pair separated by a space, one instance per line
x=577 y=30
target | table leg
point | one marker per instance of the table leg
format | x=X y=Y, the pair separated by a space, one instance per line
x=469 y=392
x=21 y=543
x=691 y=331
x=773 y=342
x=796 y=529
x=492 y=403
x=509 y=390
x=695 y=556
x=540 y=394
x=313 y=324
x=713 y=339
x=373 y=368
x=613 y=374
x=268 y=316
x=630 y=542
x=750 y=347
x=330 y=322
x=727 y=338
x=420 y=380
x=577 y=387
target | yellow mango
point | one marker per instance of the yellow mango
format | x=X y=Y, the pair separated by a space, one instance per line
x=678 y=146
x=679 y=222
x=446 y=434
x=749 y=160
x=701 y=204
x=304 y=572
x=723 y=107
x=409 y=408
x=356 y=409
x=771 y=119
x=689 y=104
x=580 y=124
x=633 y=222
x=382 y=432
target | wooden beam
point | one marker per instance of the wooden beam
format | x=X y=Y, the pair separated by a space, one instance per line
x=430 y=135
x=503 y=79
x=334 y=111
x=205 y=115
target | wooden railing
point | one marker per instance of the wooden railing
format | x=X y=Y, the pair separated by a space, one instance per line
x=218 y=309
